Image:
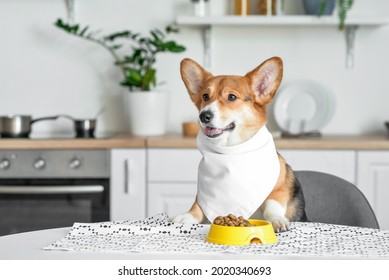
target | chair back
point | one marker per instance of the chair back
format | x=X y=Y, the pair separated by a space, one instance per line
x=333 y=200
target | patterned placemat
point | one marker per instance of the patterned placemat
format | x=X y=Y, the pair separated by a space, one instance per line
x=158 y=235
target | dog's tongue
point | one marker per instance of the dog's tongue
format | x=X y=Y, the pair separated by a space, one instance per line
x=212 y=131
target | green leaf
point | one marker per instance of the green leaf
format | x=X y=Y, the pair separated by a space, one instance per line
x=114 y=36
x=84 y=30
x=135 y=75
x=148 y=78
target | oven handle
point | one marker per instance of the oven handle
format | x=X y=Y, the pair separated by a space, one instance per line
x=51 y=189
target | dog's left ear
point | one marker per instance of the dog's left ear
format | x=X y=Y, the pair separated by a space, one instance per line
x=265 y=79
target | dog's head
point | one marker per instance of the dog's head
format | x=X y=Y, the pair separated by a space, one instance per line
x=232 y=108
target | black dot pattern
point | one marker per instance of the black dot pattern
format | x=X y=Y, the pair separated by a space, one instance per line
x=158 y=234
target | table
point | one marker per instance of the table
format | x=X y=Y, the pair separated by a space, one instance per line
x=158 y=238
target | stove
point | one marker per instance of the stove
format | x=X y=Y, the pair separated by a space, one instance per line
x=42 y=189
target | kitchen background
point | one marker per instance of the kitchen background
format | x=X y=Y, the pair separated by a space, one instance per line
x=44 y=71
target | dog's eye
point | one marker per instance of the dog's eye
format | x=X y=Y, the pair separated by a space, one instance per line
x=205 y=96
x=232 y=97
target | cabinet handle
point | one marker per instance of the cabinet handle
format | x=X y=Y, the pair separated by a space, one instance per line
x=126 y=181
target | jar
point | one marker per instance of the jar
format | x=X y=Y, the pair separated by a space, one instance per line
x=267 y=7
x=242 y=7
x=200 y=7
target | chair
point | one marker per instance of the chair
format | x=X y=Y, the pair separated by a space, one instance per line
x=330 y=199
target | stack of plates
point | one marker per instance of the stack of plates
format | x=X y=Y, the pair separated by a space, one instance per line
x=303 y=107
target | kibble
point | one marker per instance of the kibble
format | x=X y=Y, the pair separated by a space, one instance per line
x=232 y=221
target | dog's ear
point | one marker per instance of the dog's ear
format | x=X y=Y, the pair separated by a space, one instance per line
x=265 y=79
x=194 y=77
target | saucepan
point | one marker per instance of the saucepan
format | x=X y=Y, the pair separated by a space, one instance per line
x=19 y=126
x=84 y=128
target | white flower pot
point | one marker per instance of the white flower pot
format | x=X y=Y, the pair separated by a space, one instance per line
x=146 y=112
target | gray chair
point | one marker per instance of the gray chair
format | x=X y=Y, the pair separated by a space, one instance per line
x=330 y=199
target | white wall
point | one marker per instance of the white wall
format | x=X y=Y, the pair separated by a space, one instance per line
x=45 y=71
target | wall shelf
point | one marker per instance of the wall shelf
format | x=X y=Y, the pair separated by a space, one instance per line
x=279 y=20
x=352 y=24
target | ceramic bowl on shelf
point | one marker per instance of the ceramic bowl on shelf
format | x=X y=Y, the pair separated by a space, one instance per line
x=261 y=232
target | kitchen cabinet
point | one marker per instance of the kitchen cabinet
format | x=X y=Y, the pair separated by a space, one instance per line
x=128 y=184
x=172 y=180
x=340 y=163
x=171 y=198
x=373 y=181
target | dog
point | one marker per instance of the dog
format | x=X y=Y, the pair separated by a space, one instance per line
x=232 y=112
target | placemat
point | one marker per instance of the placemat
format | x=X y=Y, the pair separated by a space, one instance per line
x=158 y=234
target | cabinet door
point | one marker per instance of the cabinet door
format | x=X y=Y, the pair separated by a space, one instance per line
x=128 y=184
x=339 y=163
x=173 y=165
x=173 y=199
x=373 y=181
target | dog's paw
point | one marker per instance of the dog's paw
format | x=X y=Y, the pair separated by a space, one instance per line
x=186 y=218
x=279 y=223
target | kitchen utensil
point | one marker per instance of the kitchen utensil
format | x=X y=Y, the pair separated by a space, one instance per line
x=84 y=128
x=18 y=126
x=261 y=232
x=304 y=106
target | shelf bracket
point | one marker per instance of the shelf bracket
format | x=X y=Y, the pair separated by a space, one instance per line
x=350 y=45
x=207 y=36
x=70 y=11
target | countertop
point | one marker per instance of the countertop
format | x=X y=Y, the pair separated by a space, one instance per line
x=116 y=141
x=334 y=142
x=327 y=142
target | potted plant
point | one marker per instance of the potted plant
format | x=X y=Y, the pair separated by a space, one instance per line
x=326 y=7
x=146 y=107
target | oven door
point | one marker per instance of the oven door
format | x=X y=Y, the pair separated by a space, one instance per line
x=35 y=204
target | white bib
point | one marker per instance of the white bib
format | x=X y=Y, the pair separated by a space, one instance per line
x=236 y=179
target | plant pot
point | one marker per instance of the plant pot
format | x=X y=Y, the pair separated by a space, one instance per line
x=312 y=7
x=146 y=112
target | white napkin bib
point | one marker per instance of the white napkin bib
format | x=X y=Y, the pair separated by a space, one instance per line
x=236 y=179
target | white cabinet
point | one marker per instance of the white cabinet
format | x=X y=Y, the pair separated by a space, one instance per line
x=373 y=181
x=128 y=184
x=172 y=198
x=341 y=163
x=172 y=177
x=173 y=165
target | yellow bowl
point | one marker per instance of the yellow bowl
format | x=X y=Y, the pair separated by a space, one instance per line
x=262 y=232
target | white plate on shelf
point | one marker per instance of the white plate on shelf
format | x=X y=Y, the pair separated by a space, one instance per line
x=304 y=106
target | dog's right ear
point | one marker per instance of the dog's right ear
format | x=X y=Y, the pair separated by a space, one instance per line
x=194 y=77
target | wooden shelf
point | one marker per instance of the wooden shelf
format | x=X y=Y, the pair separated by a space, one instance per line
x=351 y=26
x=280 y=20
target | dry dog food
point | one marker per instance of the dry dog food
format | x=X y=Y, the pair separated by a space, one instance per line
x=232 y=221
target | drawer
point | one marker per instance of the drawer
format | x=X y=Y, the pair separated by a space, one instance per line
x=173 y=165
x=340 y=163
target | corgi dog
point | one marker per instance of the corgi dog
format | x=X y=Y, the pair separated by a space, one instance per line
x=253 y=177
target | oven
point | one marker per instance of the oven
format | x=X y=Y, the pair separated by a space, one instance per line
x=41 y=189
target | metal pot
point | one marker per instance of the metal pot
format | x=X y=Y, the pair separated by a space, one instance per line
x=84 y=128
x=18 y=126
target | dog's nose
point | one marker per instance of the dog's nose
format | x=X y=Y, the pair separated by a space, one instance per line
x=206 y=117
